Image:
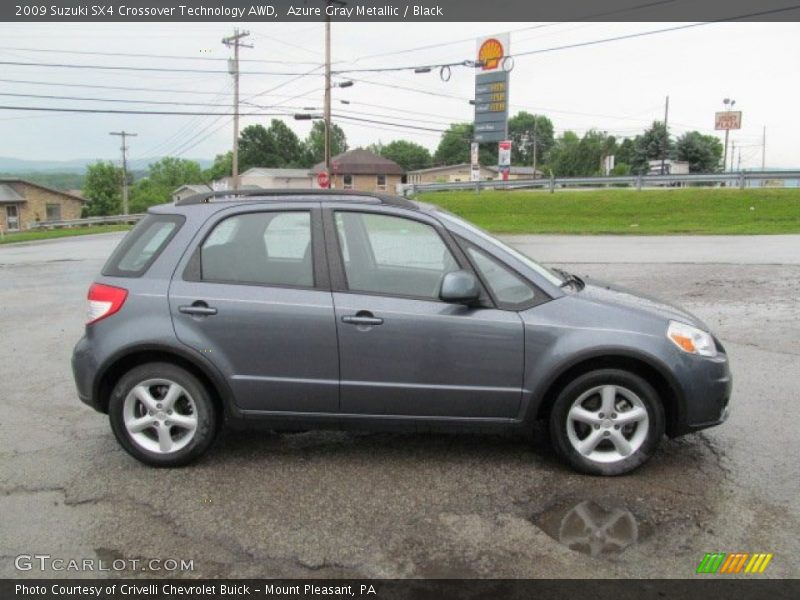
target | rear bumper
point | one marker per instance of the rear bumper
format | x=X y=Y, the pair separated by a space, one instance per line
x=84 y=370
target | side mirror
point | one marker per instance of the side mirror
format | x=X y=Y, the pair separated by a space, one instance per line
x=460 y=287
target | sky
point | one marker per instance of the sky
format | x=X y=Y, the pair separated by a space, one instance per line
x=619 y=87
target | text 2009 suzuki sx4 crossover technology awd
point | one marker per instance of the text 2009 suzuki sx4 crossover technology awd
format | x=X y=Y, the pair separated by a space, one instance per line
x=315 y=309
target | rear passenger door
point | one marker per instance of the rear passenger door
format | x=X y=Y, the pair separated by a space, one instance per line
x=253 y=296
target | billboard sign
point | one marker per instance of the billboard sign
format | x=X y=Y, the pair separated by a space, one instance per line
x=491 y=88
x=729 y=119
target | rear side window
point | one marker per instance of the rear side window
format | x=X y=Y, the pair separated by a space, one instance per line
x=269 y=248
x=142 y=245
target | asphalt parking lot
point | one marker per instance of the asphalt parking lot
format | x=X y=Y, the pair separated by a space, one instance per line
x=322 y=504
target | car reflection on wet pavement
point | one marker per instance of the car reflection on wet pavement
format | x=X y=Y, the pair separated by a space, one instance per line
x=590 y=527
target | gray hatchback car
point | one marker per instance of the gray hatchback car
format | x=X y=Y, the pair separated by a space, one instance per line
x=314 y=309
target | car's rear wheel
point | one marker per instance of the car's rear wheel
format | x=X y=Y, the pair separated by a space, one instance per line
x=607 y=422
x=162 y=415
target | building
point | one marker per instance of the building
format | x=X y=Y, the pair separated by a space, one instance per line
x=363 y=171
x=461 y=172
x=270 y=179
x=187 y=190
x=671 y=167
x=24 y=202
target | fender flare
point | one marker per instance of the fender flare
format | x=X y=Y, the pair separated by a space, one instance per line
x=196 y=359
x=539 y=392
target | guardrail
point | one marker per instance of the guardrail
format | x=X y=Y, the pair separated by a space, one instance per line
x=109 y=220
x=738 y=179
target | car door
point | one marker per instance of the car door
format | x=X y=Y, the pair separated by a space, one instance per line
x=254 y=298
x=402 y=350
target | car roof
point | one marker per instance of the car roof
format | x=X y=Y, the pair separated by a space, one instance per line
x=306 y=195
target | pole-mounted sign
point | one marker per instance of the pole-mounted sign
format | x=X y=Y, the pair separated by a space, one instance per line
x=729 y=119
x=491 y=88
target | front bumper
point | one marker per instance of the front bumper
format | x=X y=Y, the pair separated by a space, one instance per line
x=707 y=386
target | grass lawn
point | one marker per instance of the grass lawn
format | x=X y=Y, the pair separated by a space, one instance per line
x=33 y=235
x=692 y=210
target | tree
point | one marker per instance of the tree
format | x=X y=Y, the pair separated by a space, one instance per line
x=173 y=172
x=314 y=145
x=102 y=187
x=454 y=147
x=653 y=144
x=521 y=129
x=256 y=148
x=274 y=147
x=288 y=146
x=162 y=178
x=572 y=156
x=702 y=152
x=222 y=167
x=408 y=155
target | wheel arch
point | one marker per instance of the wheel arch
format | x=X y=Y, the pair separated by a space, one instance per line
x=134 y=356
x=647 y=367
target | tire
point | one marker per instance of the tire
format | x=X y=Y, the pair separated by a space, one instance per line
x=594 y=442
x=162 y=415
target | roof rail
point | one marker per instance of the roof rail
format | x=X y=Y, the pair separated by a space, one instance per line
x=267 y=194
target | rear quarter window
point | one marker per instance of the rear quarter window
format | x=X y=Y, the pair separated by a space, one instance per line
x=142 y=246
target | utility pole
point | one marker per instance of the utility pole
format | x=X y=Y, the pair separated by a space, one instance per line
x=534 y=146
x=235 y=41
x=124 y=134
x=733 y=152
x=764 y=149
x=327 y=105
x=666 y=138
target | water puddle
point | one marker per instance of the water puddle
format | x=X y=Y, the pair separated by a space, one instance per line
x=592 y=527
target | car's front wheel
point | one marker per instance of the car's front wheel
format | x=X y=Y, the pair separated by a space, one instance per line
x=607 y=422
x=162 y=415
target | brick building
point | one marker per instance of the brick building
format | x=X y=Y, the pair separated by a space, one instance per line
x=24 y=202
x=363 y=171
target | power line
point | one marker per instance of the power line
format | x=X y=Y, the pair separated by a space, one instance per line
x=160 y=56
x=108 y=87
x=657 y=31
x=126 y=101
x=129 y=68
x=135 y=112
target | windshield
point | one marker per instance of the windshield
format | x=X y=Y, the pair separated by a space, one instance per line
x=541 y=270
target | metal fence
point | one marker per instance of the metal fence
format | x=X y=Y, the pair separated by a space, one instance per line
x=739 y=179
x=110 y=220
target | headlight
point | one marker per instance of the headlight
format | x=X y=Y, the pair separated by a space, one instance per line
x=691 y=339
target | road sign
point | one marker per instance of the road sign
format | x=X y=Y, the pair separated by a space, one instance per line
x=729 y=119
x=491 y=88
x=323 y=180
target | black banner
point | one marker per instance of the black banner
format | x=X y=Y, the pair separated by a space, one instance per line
x=398 y=10
x=380 y=589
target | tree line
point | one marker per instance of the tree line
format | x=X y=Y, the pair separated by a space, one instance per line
x=277 y=146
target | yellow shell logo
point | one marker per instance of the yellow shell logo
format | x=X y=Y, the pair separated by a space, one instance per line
x=490 y=53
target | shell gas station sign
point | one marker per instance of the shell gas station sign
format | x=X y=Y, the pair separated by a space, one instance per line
x=493 y=63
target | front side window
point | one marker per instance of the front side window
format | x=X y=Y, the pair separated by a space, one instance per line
x=269 y=248
x=393 y=255
x=506 y=286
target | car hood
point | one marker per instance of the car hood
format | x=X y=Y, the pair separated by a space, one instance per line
x=613 y=295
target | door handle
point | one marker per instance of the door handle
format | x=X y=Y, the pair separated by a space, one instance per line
x=198 y=308
x=362 y=317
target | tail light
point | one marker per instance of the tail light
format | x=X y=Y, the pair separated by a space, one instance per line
x=104 y=301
